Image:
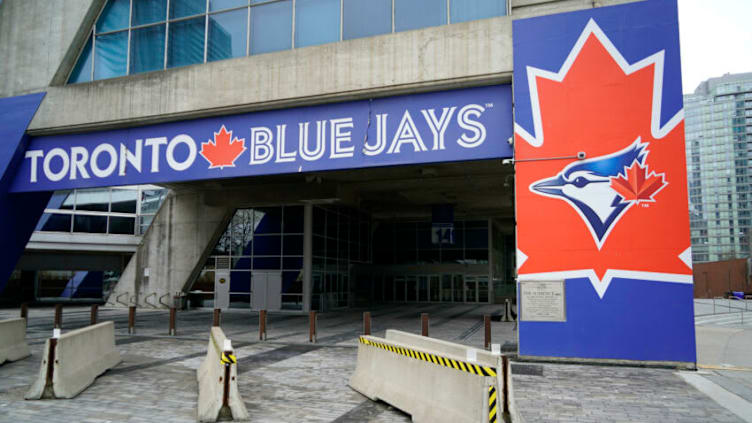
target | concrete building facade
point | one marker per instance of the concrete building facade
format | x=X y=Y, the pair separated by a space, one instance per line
x=719 y=132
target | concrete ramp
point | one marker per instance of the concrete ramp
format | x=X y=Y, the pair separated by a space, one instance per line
x=218 y=395
x=13 y=340
x=72 y=362
x=430 y=379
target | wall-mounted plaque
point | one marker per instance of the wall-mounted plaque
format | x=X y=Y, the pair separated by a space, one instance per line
x=542 y=301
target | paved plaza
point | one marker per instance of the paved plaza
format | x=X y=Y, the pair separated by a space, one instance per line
x=288 y=379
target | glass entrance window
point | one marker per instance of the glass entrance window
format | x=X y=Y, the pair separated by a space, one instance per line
x=399 y=289
x=446 y=288
x=388 y=288
x=434 y=288
x=471 y=289
x=482 y=289
x=412 y=288
x=422 y=288
x=458 y=288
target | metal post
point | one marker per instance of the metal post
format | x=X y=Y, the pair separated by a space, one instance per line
x=172 y=330
x=504 y=390
x=307 y=255
x=424 y=324
x=132 y=319
x=59 y=316
x=312 y=326
x=25 y=311
x=487 y=325
x=217 y=317
x=366 y=323
x=262 y=325
x=94 y=312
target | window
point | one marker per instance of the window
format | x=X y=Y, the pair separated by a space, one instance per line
x=121 y=210
x=414 y=14
x=316 y=22
x=366 y=18
x=134 y=36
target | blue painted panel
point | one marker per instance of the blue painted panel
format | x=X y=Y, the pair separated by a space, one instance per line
x=19 y=213
x=478 y=123
x=635 y=320
x=637 y=30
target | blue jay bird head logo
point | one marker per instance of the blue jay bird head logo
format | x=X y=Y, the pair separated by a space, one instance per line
x=587 y=187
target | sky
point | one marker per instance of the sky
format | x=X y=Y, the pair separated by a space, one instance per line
x=715 y=37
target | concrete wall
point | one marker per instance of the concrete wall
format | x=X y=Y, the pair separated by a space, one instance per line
x=714 y=279
x=174 y=248
x=38 y=38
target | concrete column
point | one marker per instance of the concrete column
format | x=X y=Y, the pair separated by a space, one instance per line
x=307 y=254
x=174 y=249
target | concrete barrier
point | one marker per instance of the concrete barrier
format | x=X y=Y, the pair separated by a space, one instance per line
x=430 y=379
x=13 y=340
x=73 y=361
x=218 y=394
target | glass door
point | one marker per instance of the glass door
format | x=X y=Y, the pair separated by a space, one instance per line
x=399 y=289
x=458 y=288
x=483 y=289
x=446 y=288
x=423 y=288
x=471 y=289
x=434 y=290
x=412 y=288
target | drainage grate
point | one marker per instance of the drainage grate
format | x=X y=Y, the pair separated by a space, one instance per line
x=527 y=369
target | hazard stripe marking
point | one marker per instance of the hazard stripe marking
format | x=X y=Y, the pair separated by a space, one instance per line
x=492 y=405
x=435 y=359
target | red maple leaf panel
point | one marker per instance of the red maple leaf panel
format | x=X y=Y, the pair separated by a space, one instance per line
x=638 y=185
x=224 y=150
x=600 y=109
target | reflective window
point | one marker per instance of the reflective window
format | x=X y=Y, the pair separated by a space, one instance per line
x=149 y=11
x=316 y=22
x=365 y=18
x=102 y=210
x=186 y=44
x=133 y=36
x=110 y=55
x=147 y=49
x=468 y=10
x=183 y=8
x=225 y=4
x=227 y=35
x=114 y=16
x=414 y=14
x=82 y=71
x=271 y=27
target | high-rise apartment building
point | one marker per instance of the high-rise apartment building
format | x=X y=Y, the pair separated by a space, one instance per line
x=719 y=157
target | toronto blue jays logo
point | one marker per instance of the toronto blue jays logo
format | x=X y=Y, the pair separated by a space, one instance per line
x=602 y=189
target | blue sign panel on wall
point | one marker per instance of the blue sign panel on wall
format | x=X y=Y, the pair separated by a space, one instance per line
x=605 y=82
x=459 y=125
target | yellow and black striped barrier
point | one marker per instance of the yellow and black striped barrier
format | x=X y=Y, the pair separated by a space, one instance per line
x=433 y=358
x=228 y=359
x=493 y=405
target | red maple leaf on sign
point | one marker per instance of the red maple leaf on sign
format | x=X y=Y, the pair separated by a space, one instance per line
x=224 y=150
x=638 y=185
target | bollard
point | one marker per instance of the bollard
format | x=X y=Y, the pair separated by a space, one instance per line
x=217 y=316
x=424 y=324
x=366 y=323
x=312 y=317
x=131 y=320
x=172 y=330
x=505 y=389
x=262 y=325
x=94 y=311
x=58 y=316
x=25 y=311
x=487 y=325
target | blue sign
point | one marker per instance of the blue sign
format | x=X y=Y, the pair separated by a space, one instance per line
x=459 y=125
